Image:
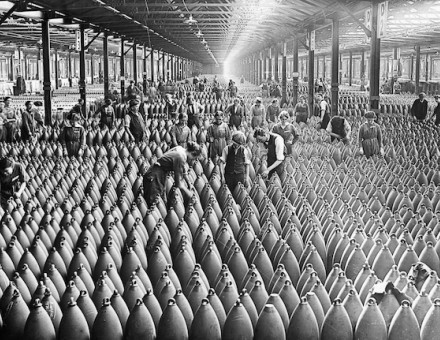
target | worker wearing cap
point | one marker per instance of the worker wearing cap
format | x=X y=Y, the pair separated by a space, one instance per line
x=134 y=122
x=106 y=115
x=235 y=162
x=436 y=112
x=258 y=113
x=13 y=178
x=27 y=121
x=275 y=151
x=9 y=120
x=132 y=91
x=175 y=160
x=38 y=115
x=419 y=109
x=339 y=129
x=236 y=114
x=218 y=135
x=194 y=111
x=273 y=111
x=301 y=110
x=73 y=137
x=180 y=132
x=370 y=136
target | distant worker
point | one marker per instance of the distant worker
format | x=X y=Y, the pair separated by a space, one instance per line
x=324 y=112
x=419 y=109
x=132 y=91
x=236 y=114
x=9 y=120
x=258 y=113
x=106 y=115
x=436 y=112
x=27 y=121
x=194 y=111
x=339 y=129
x=370 y=136
x=73 y=138
x=134 y=122
x=218 y=135
x=235 y=162
x=273 y=111
x=301 y=111
x=233 y=90
x=78 y=108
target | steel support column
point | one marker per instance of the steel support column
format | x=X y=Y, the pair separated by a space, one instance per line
x=105 y=57
x=276 y=63
x=363 y=64
x=45 y=37
x=394 y=75
x=82 y=71
x=317 y=67
x=426 y=67
x=144 y=69
x=152 y=64
x=69 y=67
x=92 y=69
x=418 y=69
x=57 y=69
x=295 y=72
x=374 y=61
x=350 y=69
x=25 y=60
x=335 y=67
x=311 y=74
x=164 y=73
x=269 y=66
x=284 y=77
x=135 y=66
x=38 y=75
x=122 y=69
x=411 y=68
x=264 y=62
x=172 y=69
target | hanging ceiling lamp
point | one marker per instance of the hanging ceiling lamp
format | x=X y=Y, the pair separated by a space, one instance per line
x=190 y=20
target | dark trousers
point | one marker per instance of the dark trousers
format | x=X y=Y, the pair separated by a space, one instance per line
x=279 y=170
x=232 y=180
x=193 y=120
x=154 y=184
x=10 y=130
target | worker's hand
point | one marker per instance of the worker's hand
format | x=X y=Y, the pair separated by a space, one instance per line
x=382 y=151
x=246 y=182
x=265 y=173
x=65 y=152
x=16 y=195
x=361 y=151
x=81 y=152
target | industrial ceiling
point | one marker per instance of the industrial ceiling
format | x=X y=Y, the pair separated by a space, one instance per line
x=216 y=31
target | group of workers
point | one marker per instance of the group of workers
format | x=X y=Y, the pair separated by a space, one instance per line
x=419 y=109
x=272 y=129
